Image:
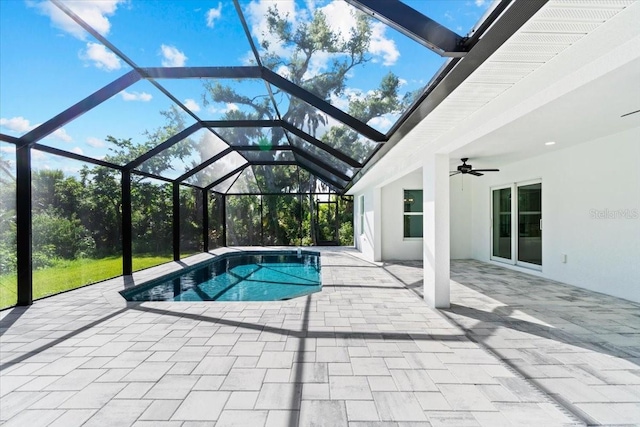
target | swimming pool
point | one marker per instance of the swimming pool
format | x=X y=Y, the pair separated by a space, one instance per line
x=238 y=276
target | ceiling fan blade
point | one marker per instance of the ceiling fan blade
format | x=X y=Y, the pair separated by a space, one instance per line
x=475 y=173
x=454 y=173
x=486 y=170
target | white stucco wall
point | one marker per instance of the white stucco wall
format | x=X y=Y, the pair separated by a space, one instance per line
x=394 y=245
x=461 y=210
x=365 y=242
x=579 y=183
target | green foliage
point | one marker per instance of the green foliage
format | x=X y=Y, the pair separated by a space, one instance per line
x=63 y=275
x=152 y=217
x=59 y=237
x=190 y=220
x=243 y=220
x=126 y=150
x=7 y=216
x=346 y=233
x=7 y=257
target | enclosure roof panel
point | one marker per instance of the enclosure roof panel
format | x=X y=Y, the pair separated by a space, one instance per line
x=183 y=91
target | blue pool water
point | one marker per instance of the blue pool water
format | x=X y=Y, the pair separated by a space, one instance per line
x=246 y=276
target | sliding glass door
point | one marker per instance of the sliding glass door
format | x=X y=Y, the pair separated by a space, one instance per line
x=530 y=224
x=501 y=232
x=516 y=224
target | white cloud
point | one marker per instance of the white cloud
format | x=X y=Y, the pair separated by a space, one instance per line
x=21 y=125
x=256 y=13
x=348 y=95
x=136 y=96
x=383 y=123
x=191 y=105
x=95 y=142
x=213 y=15
x=284 y=71
x=228 y=107
x=480 y=3
x=77 y=150
x=62 y=135
x=94 y=13
x=402 y=82
x=8 y=148
x=16 y=124
x=382 y=46
x=341 y=20
x=38 y=155
x=172 y=57
x=101 y=57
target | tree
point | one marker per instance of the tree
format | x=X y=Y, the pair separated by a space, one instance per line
x=307 y=42
x=7 y=216
x=125 y=150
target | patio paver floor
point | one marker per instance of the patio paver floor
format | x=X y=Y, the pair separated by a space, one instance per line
x=366 y=351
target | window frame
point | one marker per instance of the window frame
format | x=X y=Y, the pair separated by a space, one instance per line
x=361 y=213
x=514 y=215
x=405 y=214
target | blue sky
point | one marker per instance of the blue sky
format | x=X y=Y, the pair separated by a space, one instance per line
x=48 y=63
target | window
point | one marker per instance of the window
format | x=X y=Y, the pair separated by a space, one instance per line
x=361 y=212
x=412 y=214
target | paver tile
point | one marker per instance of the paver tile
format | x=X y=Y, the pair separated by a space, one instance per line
x=94 y=396
x=201 y=406
x=368 y=355
x=172 y=387
x=118 y=412
x=242 y=418
x=323 y=413
x=244 y=379
x=398 y=406
x=349 y=388
x=279 y=396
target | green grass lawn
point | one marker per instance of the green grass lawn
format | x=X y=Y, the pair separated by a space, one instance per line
x=65 y=275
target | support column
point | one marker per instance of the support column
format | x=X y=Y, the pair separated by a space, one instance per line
x=176 y=221
x=224 y=219
x=127 y=246
x=436 y=230
x=261 y=223
x=205 y=220
x=23 y=225
x=377 y=224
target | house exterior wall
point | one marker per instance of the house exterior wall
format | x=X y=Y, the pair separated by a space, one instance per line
x=365 y=241
x=461 y=211
x=582 y=187
x=394 y=245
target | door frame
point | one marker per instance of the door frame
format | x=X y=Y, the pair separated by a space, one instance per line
x=514 y=224
x=335 y=228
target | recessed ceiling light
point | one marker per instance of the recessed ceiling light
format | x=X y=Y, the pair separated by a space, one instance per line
x=549 y=143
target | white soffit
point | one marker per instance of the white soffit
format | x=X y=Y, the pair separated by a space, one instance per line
x=593 y=28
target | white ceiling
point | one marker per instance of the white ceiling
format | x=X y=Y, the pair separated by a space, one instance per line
x=587 y=113
x=567 y=76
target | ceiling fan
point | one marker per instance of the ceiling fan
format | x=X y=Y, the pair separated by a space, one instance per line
x=465 y=168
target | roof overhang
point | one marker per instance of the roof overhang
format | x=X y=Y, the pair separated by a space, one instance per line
x=563 y=54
